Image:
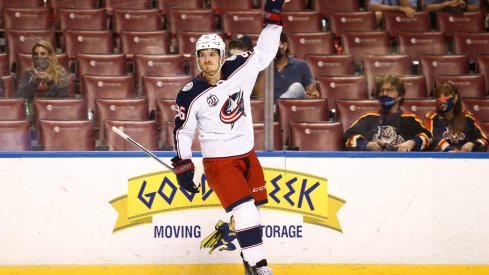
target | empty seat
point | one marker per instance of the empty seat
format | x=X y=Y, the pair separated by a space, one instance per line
x=26 y=19
x=120 y=109
x=250 y=21
x=135 y=20
x=103 y=86
x=300 y=110
x=349 y=110
x=395 y=22
x=335 y=87
x=340 y=22
x=479 y=107
x=158 y=65
x=223 y=5
x=21 y=41
x=72 y=4
x=379 y=65
x=419 y=106
x=166 y=110
x=90 y=42
x=259 y=136
x=360 y=43
x=24 y=61
x=330 y=64
x=164 y=6
x=414 y=86
x=59 y=109
x=482 y=67
x=301 y=21
x=8 y=86
x=469 y=85
x=186 y=41
x=144 y=132
x=162 y=87
x=451 y=22
x=471 y=44
x=110 y=5
x=327 y=136
x=300 y=44
x=100 y=64
x=145 y=42
x=326 y=7
x=415 y=43
x=81 y=19
x=66 y=135
x=257 y=110
x=12 y=109
x=200 y=20
x=15 y=135
x=432 y=65
x=29 y=4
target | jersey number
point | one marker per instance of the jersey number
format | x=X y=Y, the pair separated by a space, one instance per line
x=181 y=112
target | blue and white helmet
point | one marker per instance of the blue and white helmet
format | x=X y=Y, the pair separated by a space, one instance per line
x=210 y=41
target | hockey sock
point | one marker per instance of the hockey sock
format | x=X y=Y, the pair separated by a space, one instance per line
x=248 y=232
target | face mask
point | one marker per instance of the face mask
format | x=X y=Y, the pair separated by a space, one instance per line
x=279 y=54
x=41 y=63
x=444 y=104
x=387 y=102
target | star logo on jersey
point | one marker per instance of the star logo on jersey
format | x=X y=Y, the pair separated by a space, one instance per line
x=232 y=109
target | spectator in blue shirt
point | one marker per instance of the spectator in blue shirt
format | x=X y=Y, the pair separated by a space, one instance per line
x=408 y=7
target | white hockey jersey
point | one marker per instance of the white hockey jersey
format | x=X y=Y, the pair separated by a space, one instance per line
x=222 y=112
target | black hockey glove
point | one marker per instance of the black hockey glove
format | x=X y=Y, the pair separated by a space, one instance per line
x=272 y=10
x=185 y=170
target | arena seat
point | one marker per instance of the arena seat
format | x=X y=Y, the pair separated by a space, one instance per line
x=259 y=136
x=335 y=87
x=58 y=109
x=414 y=44
x=478 y=106
x=100 y=64
x=164 y=6
x=72 y=4
x=90 y=42
x=157 y=65
x=111 y=5
x=340 y=22
x=144 y=42
x=142 y=131
x=21 y=41
x=303 y=43
x=316 y=136
x=104 y=86
x=414 y=86
x=135 y=20
x=26 y=19
x=374 y=65
x=4 y=66
x=432 y=65
x=24 y=61
x=360 y=43
x=26 y=4
x=12 y=108
x=119 y=109
x=241 y=21
x=330 y=64
x=396 y=22
x=326 y=7
x=300 y=110
x=15 y=135
x=199 y=20
x=224 y=5
x=8 y=86
x=66 y=135
x=81 y=19
x=451 y=22
x=471 y=44
x=166 y=110
x=469 y=85
x=482 y=67
x=257 y=110
x=419 y=106
x=162 y=87
x=301 y=21
x=349 y=110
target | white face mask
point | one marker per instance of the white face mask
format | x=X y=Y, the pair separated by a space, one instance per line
x=235 y=52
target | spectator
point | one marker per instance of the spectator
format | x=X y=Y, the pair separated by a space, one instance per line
x=389 y=129
x=484 y=7
x=408 y=7
x=451 y=5
x=292 y=77
x=242 y=43
x=45 y=78
x=453 y=129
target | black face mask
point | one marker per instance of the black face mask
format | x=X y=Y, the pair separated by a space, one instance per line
x=279 y=54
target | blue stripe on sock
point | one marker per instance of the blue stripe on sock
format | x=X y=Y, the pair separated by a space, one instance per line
x=249 y=237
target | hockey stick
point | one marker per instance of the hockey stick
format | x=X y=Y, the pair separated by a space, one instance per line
x=137 y=144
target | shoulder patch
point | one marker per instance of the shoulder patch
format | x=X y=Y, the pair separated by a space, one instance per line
x=188 y=86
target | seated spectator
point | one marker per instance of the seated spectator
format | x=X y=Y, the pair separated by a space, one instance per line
x=453 y=129
x=242 y=43
x=451 y=5
x=389 y=129
x=292 y=77
x=484 y=7
x=45 y=78
x=408 y=7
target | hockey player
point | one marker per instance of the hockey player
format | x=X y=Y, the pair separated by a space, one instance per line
x=217 y=103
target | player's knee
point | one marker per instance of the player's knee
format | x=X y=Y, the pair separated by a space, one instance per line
x=246 y=215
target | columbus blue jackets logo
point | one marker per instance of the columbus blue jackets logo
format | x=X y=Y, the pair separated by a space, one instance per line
x=232 y=109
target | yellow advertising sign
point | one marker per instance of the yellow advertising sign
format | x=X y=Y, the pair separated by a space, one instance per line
x=288 y=191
